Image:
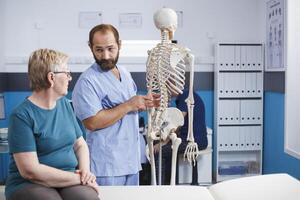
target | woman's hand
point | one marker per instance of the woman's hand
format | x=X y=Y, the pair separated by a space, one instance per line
x=86 y=176
x=94 y=185
x=89 y=179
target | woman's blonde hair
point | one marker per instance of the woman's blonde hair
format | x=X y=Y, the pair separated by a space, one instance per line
x=41 y=62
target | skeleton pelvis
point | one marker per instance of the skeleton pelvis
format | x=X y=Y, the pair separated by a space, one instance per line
x=172 y=119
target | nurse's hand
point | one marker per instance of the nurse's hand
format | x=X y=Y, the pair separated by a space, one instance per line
x=152 y=100
x=137 y=103
x=86 y=176
x=141 y=103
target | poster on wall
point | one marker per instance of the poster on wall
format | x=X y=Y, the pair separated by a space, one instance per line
x=275 y=36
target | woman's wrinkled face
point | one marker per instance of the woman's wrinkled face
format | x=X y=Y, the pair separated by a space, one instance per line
x=62 y=77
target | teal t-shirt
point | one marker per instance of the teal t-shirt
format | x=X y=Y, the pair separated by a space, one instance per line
x=49 y=133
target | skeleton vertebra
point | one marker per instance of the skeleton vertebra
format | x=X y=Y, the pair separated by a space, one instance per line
x=166 y=67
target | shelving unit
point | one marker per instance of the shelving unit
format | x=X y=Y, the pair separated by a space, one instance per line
x=238 y=105
x=4 y=156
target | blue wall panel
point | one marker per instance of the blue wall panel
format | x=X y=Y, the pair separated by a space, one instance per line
x=208 y=99
x=275 y=160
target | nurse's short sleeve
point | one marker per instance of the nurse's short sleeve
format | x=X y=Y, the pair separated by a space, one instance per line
x=20 y=135
x=86 y=101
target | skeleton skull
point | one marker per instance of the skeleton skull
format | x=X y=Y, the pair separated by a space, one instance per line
x=166 y=19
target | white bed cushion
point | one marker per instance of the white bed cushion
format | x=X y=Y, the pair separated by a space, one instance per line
x=263 y=187
x=2 y=187
x=154 y=193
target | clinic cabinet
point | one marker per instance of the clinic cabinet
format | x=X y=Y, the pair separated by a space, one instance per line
x=238 y=110
x=4 y=156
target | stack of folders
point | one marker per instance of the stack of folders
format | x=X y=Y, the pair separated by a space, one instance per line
x=238 y=167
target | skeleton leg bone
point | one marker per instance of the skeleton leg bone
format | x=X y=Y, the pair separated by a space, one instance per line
x=150 y=153
x=175 y=144
x=150 y=156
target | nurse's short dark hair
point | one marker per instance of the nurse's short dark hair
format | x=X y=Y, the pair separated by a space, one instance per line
x=104 y=28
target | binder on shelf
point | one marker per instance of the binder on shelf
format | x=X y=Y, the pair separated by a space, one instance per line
x=258 y=138
x=221 y=85
x=242 y=138
x=259 y=57
x=236 y=138
x=259 y=84
x=237 y=57
x=242 y=84
x=221 y=144
x=243 y=58
x=253 y=136
x=253 y=58
x=253 y=84
x=231 y=135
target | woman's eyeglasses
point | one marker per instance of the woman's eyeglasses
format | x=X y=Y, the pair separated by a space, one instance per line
x=69 y=75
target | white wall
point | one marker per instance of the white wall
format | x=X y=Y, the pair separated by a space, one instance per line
x=204 y=23
x=292 y=90
x=2 y=21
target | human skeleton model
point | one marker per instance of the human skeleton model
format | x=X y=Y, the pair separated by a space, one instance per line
x=165 y=76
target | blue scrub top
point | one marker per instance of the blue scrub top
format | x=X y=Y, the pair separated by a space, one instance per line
x=114 y=150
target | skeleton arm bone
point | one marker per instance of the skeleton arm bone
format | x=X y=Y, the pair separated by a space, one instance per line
x=191 y=151
x=190 y=100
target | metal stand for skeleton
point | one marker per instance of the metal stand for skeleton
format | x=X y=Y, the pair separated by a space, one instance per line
x=165 y=76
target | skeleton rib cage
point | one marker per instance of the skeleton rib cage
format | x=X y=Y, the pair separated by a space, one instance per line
x=164 y=77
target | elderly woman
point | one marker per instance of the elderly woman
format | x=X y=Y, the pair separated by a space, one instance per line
x=49 y=157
